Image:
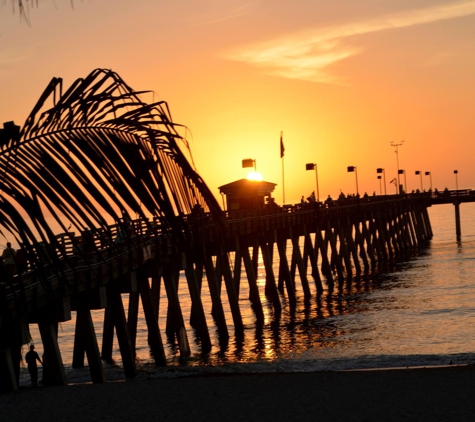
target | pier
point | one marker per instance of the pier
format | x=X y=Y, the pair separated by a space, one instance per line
x=80 y=160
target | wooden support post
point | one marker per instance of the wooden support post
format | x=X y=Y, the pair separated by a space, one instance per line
x=154 y=337
x=132 y=318
x=79 y=348
x=313 y=262
x=458 y=230
x=391 y=235
x=237 y=271
x=8 y=379
x=366 y=233
x=293 y=268
x=271 y=288
x=177 y=324
x=218 y=311
x=397 y=232
x=253 y=290
x=381 y=225
x=155 y=291
x=348 y=232
x=402 y=231
x=297 y=256
x=118 y=317
x=377 y=242
x=52 y=355
x=195 y=272
x=107 y=335
x=326 y=268
x=421 y=224
x=84 y=321
x=407 y=230
x=359 y=243
x=417 y=226
x=284 y=268
x=255 y=259
x=173 y=317
x=344 y=248
x=427 y=220
x=232 y=297
x=412 y=229
x=270 y=278
x=330 y=237
x=197 y=317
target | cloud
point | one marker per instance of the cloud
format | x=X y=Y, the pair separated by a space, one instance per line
x=9 y=58
x=307 y=54
x=224 y=11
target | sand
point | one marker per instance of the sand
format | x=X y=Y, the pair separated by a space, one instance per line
x=425 y=394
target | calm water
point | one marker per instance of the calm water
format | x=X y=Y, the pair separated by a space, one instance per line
x=421 y=312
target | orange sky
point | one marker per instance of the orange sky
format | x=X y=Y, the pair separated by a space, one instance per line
x=341 y=79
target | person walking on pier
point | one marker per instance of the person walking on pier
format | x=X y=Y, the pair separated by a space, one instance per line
x=31 y=357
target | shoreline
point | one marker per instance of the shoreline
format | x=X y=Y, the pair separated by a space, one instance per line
x=406 y=394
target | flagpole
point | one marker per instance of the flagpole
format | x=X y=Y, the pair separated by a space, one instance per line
x=283 y=183
x=282 y=149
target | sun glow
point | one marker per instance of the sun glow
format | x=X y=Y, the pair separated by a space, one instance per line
x=254 y=175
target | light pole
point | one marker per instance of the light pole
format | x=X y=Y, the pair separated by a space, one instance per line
x=380 y=190
x=456 y=172
x=381 y=170
x=427 y=173
x=352 y=169
x=420 y=173
x=313 y=166
x=405 y=184
x=396 y=146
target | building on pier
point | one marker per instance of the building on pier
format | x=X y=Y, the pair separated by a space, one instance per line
x=247 y=194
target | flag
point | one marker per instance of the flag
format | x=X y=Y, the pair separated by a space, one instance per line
x=247 y=162
x=282 y=149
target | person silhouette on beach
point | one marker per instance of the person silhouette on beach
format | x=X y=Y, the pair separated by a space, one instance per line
x=31 y=357
x=9 y=256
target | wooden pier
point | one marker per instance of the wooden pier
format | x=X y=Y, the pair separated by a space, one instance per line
x=340 y=242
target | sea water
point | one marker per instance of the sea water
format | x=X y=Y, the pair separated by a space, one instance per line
x=418 y=312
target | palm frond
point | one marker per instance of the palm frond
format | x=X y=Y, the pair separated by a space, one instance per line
x=97 y=152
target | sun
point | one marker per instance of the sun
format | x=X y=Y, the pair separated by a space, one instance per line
x=254 y=175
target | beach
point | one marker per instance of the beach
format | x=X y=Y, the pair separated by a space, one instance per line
x=422 y=394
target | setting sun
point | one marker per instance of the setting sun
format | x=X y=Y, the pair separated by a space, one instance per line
x=254 y=175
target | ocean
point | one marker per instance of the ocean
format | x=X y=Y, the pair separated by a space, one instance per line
x=420 y=312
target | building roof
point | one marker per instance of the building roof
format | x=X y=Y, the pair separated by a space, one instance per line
x=245 y=187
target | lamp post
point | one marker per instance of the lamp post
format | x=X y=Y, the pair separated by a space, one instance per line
x=427 y=173
x=352 y=169
x=418 y=172
x=405 y=184
x=381 y=170
x=380 y=190
x=395 y=145
x=312 y=166
x=456 y=172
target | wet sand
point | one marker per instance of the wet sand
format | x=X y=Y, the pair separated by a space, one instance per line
x=425 y=394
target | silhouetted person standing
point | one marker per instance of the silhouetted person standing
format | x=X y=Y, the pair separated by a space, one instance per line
x=9 y=256
x=31 y=357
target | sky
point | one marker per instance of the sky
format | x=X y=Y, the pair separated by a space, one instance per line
x=341 y=80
